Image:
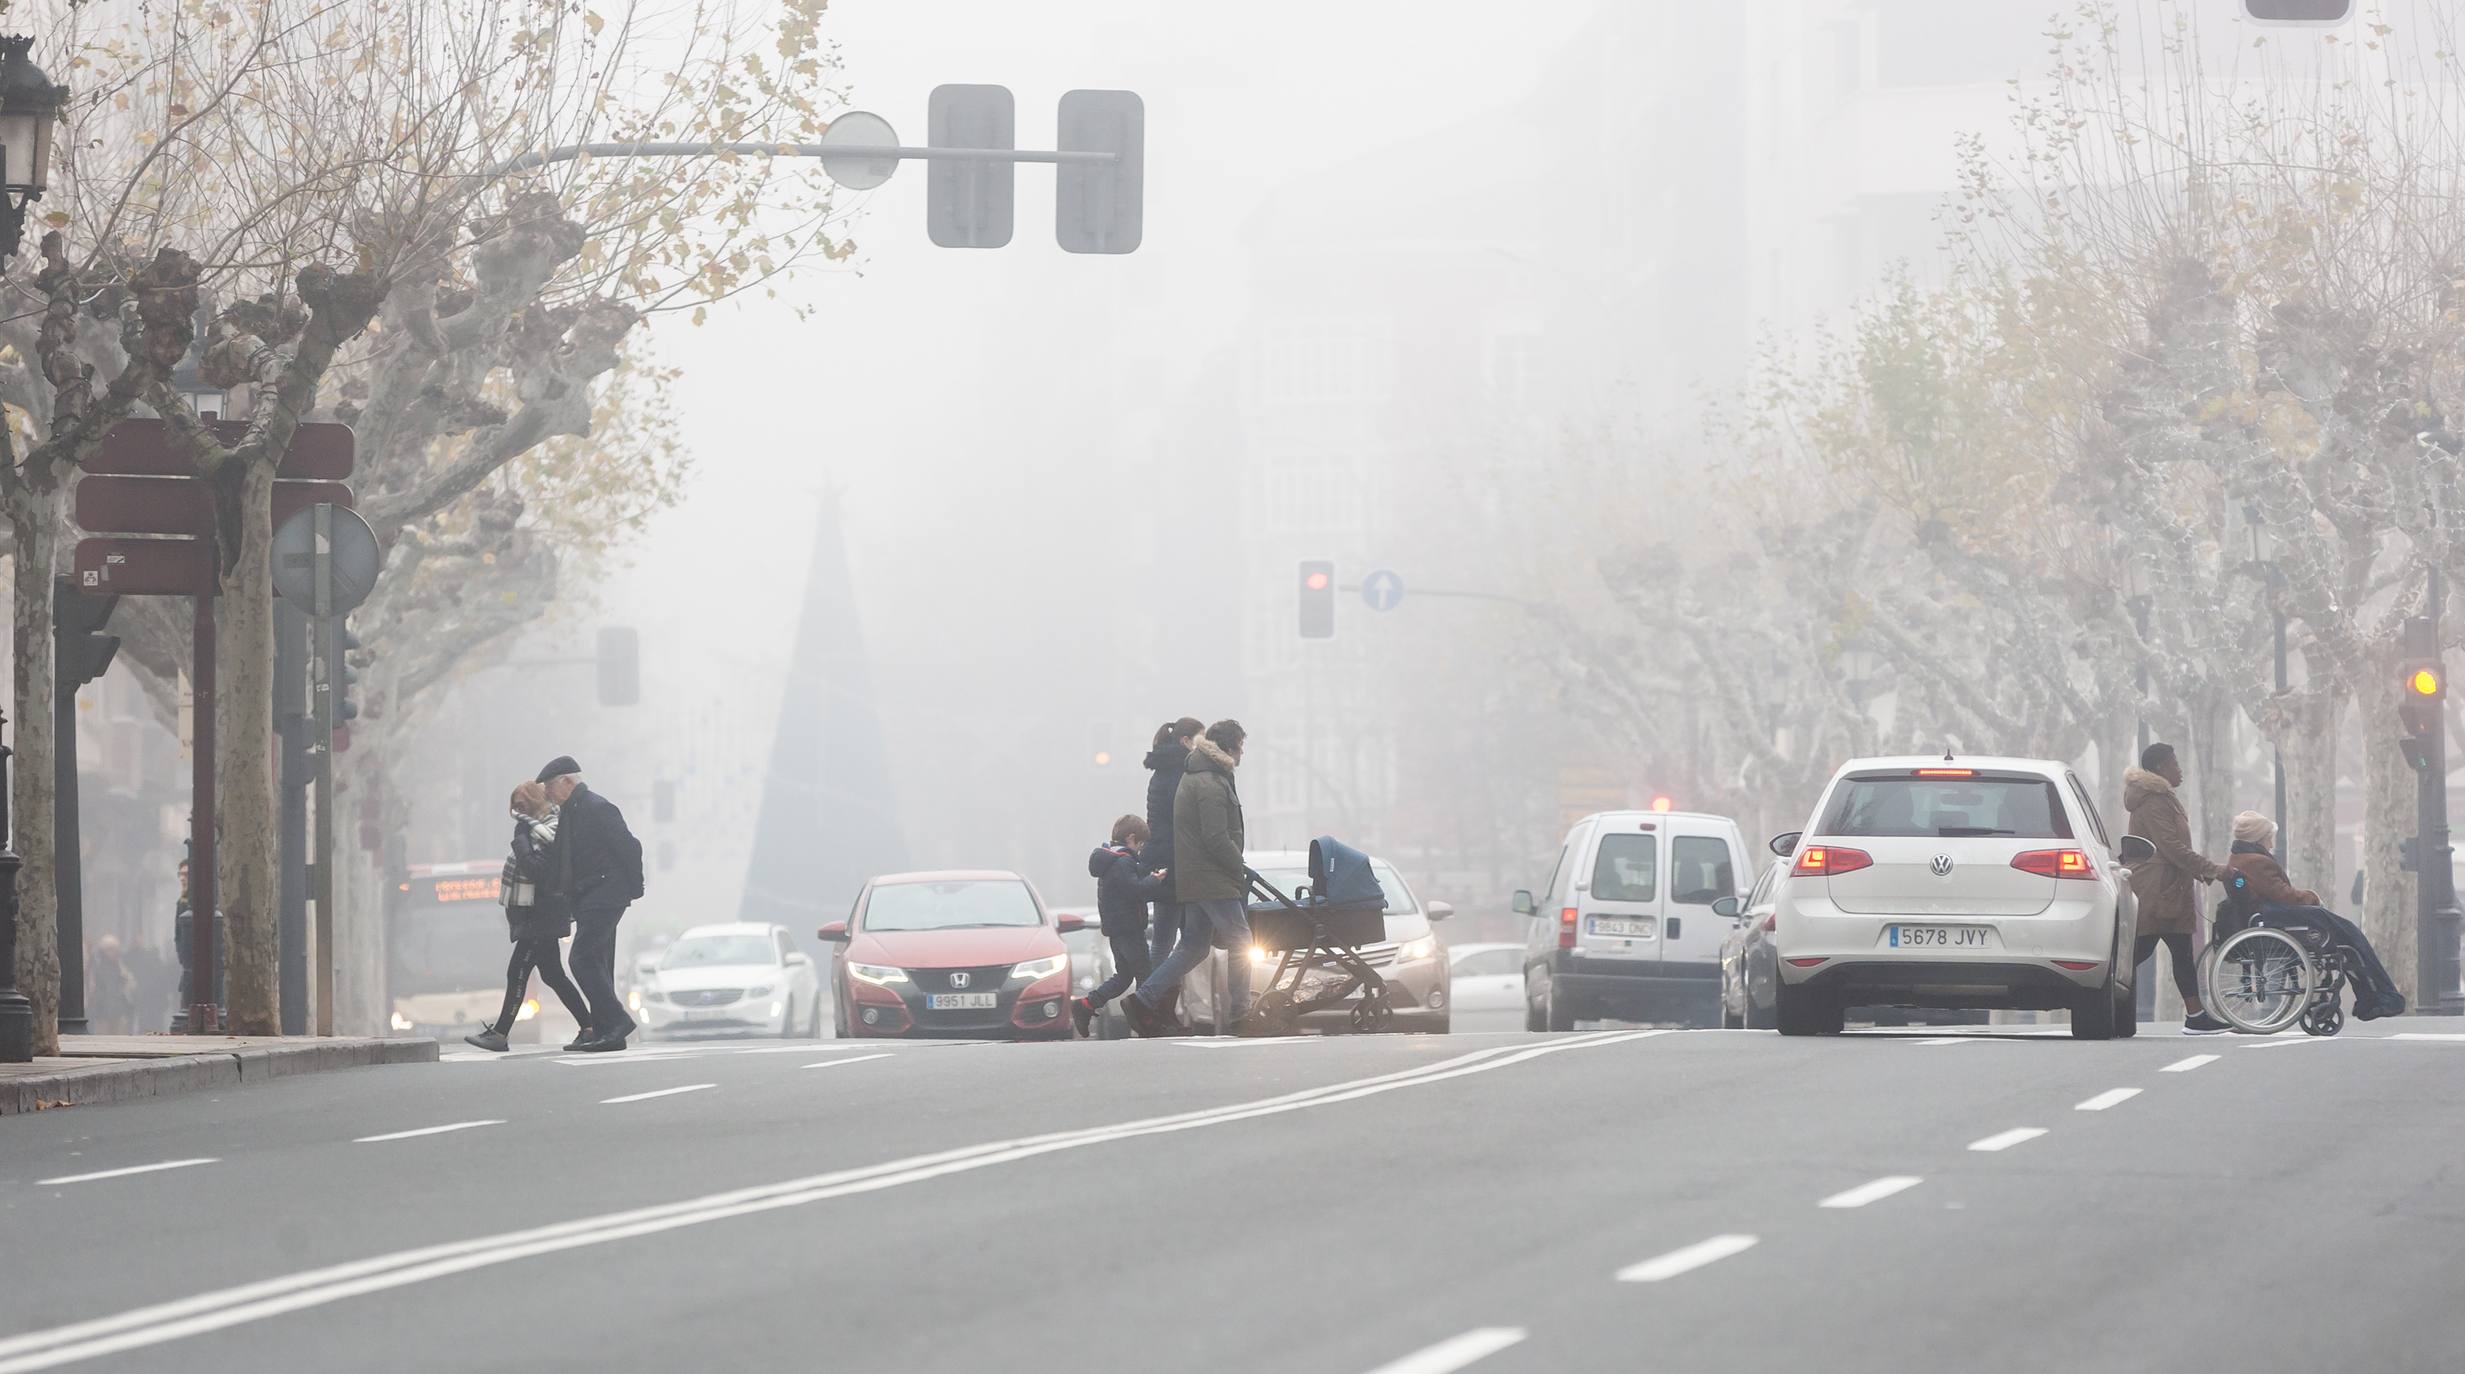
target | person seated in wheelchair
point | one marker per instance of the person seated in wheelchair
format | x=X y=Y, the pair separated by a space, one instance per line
x=2268 y=895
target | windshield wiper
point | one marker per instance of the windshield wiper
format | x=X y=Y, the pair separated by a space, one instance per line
x=1970 y=832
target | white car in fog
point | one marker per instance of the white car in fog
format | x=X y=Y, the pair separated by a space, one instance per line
x=1941 y=882
x=738 y=979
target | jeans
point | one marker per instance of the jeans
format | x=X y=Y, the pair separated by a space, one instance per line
x=1130 y=964
x=2376 y=991
x=1163 y=932
x=541 y=955
x=1220 y=924
x=594 y=967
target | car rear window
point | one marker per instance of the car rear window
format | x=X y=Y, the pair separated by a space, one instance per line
x=1699 y=871
x=2025 y=808
x=1628 y=869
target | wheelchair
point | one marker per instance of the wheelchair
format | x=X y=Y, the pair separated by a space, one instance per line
x=2272 y=972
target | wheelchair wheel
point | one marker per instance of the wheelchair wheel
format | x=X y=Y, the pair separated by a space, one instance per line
x=2324 y=1018
x=2260 y=981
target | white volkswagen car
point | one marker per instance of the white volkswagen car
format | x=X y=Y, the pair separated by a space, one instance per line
x=1942 y=882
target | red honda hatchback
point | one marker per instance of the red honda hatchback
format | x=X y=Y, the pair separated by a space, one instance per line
x=970 y=954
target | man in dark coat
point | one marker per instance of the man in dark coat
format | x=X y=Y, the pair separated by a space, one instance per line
x=1212 y=881
x=606 y=863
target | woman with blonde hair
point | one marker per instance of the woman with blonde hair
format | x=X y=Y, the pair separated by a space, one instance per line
x=535 y=893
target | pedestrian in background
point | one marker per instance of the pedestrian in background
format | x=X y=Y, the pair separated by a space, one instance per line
x=1167 y=763
x=2167 y=886
x=534 y=889
x=111 y=989
x=1211 y=880
x=1124 y=887
x=606 y=867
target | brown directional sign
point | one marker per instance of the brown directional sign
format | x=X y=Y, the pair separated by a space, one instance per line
x=180 y=505
x=148 y=448
x=145 y=567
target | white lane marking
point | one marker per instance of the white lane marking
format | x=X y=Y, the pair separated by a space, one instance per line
x=1953 y=1040
x=123 y=1173
x=1453 y=1354
x=852 y=1059
x=663 y=1092
x=2187 y=1065
x=2109 y=1098
x=2017 y=1135
x=814 y=1047
x=162 y=1323
x=2278 y=1042
x=1236 y=1042
x=1876 y=1191
x=2419 y=1035
x=1686 y=1259
x=424 y=1130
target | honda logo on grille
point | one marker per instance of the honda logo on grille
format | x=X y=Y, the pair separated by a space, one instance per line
x=1941 y=865
x=960 y=980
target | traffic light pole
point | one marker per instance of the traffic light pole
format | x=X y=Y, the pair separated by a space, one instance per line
x=327 y=661
x=2437 y=919
x=68 y=858
x=291 y=738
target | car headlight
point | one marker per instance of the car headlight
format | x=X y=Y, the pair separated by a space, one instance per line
x=880 y=975
x=401 y=1022
x=1041 y=968
x=762 y=991
x=634 y=999
x=530 y=1008
x=1416 y=950
x=1258 y=954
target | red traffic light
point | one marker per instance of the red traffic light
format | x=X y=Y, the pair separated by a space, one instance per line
x=1317 y=581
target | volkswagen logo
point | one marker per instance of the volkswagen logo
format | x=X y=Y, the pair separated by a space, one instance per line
x=963 y=978
x=1941 y=865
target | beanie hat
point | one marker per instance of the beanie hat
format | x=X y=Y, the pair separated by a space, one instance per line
x=558 y=767
x=2250 y=827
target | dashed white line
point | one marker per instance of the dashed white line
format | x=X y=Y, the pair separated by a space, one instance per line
x=2187 y=1065
x=1876 y=1191
x=663 y=1092
x=852 y=1059
x=1954 y=1040
x=2278 y=1042
x=2421 y=1035
x=2017 y=1135
x=424 y=1130
x=1448 y=1355
x=1685 y=1260
x=2109 y=1098
x=123 y=1173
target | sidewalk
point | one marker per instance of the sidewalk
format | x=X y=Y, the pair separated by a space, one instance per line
x=120 y=1068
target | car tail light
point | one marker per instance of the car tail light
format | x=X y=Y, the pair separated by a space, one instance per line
x=2078 y=965
x=2055 y=863
x=1810 y=961
x=1566 y=928
x=1823 y=861
x=1947 y=772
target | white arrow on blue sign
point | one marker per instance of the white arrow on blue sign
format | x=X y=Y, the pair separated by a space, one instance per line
x=1383 y=590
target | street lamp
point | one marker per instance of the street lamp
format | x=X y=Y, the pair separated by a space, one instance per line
x=30 y=105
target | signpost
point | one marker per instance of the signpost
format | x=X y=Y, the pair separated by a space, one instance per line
x=1383 y=590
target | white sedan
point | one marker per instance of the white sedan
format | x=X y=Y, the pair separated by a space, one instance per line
x=1487 y=986
x=737 y=979
x=1942 y=882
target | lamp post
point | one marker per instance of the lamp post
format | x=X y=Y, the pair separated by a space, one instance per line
x=30 y=106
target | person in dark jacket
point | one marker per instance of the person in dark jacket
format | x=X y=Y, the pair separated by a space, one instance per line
x=2375 y=993
x=1166 y=763
x=606 y=867
x=2167 y=886
x=1124 y=887
x=536 y=917
x=1211 y=879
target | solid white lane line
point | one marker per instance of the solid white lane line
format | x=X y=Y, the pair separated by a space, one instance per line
x=2418 y=1035
x=2017 y=1135
x=1448 y=1355
x=1242 y=1042
x=663 y=1092
x=2278 y=1042
x=123 y=1173
x=2187 y=1065
x=1876 y=1191
x=1686 y=1259
x=2110 y=1097
x=424 y=1130
x=1952 y=1040
x=162 y=1323
x=852 y=1059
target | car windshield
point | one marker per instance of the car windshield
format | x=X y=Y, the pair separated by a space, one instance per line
x=963 y=905
x=704 y=951
x=1947 y=808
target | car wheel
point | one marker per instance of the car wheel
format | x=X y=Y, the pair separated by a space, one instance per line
x=1534 y=1018
x=1557 y=1015
x=2092 y=1017
x=838 y=1017
x=1804 y=1011
x=1730 y=1020
x=2126 y=1010
x=1748 y=1019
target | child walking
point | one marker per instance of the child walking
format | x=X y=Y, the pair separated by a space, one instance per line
x=1123 y=889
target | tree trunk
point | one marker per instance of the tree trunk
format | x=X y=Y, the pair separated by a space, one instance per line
x=2214 y=799
x=36 y=531
x=249 y=848
x=2389 y=797
x=2309 y=845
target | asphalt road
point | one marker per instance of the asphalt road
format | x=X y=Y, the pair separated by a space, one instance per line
x=1611 y=1200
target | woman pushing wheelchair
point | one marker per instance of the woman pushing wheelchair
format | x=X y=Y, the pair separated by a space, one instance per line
x=2258 y=894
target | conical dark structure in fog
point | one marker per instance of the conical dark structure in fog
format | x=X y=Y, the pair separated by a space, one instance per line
x=827 y=821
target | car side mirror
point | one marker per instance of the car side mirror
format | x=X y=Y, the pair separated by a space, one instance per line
x=1786 y=845
x=1524 y=905
x=1439 y=911
x=835 y=932
x=1070 y=925
x=1730 y=907
x=2134 y=850
x=799 y=959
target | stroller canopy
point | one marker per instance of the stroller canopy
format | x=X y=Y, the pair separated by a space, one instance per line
x=1341 y=873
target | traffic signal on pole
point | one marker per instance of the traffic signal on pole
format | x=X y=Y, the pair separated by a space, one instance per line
x=2299 y=11
x=1100 y=207
x=2423 y=687
x=620 y=665
x=1317 y=599
x=82 y=650
x=346 y=706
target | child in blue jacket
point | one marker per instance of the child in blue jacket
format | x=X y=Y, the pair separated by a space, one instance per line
x=1123 y=889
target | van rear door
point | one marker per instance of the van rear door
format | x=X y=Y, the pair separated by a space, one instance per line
x=1620 y=896
x=1702 y=869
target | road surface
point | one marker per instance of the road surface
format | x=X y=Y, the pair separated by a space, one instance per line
x=1609 y=1200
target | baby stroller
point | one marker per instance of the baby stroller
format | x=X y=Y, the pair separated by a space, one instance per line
x=1315 y=936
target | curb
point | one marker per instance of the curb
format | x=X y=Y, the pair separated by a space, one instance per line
x=128 y=1080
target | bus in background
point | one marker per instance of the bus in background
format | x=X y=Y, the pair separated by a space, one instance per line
x=446 y=951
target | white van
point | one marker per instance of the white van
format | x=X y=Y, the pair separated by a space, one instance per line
x=1625 y=930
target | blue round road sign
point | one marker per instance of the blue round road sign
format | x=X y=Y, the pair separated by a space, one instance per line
x=1383 y=590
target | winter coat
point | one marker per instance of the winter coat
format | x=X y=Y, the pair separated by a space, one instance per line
x=606 y=861
x=2265 y=878
x=1207 y=829
x=1123 y=889
x=2167 y=885
x=536 y=860
x=1165 y=766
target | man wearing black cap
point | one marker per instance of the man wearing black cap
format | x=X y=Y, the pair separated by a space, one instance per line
x=606 y=863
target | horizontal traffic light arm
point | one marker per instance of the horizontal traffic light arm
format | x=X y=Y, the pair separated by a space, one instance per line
x=835 y=152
